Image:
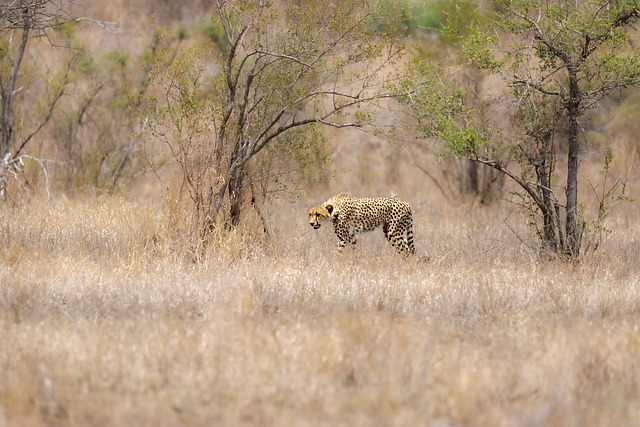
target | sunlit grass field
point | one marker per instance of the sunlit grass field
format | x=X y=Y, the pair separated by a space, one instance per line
x=105 y=321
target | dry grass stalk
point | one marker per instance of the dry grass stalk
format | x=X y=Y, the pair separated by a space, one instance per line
x=104 y=322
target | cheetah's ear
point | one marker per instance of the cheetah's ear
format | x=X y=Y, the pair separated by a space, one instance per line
x=329 y=208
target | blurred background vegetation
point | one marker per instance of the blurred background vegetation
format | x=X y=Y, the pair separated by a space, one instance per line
x=93 y=140
x=81 y=121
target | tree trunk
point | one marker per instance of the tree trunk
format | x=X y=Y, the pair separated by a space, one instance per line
x=8 y=93
x=572 y=232
x=572 y=248
x=211 y=205
x=4 y=175
x=236 y=192
x=549 y=232
x=472 y=178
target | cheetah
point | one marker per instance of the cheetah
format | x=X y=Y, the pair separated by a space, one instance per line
x=352 y=215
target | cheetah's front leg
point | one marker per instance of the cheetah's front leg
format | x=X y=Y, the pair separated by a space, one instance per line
x=345 y=237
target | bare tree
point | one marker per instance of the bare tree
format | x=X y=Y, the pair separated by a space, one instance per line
x=20 y=20
x=279 y=67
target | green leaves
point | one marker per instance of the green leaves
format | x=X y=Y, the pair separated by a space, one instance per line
x=245 y=104
x=621 y=70
x=479 y=49
x=556 y=59
x=443 y=114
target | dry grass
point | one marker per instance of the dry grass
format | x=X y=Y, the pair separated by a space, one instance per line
x=102 y=322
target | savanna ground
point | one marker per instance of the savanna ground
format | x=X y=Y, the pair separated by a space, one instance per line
x=104 y=321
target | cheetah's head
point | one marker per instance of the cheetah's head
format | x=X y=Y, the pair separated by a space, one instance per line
x=320 y=213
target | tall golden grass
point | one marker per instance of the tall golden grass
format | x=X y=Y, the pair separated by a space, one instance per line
x=104 y=321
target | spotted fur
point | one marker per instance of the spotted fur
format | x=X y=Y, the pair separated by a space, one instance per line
x=352 y=215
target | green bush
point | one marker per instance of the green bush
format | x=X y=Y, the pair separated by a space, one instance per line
x=411 y=16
